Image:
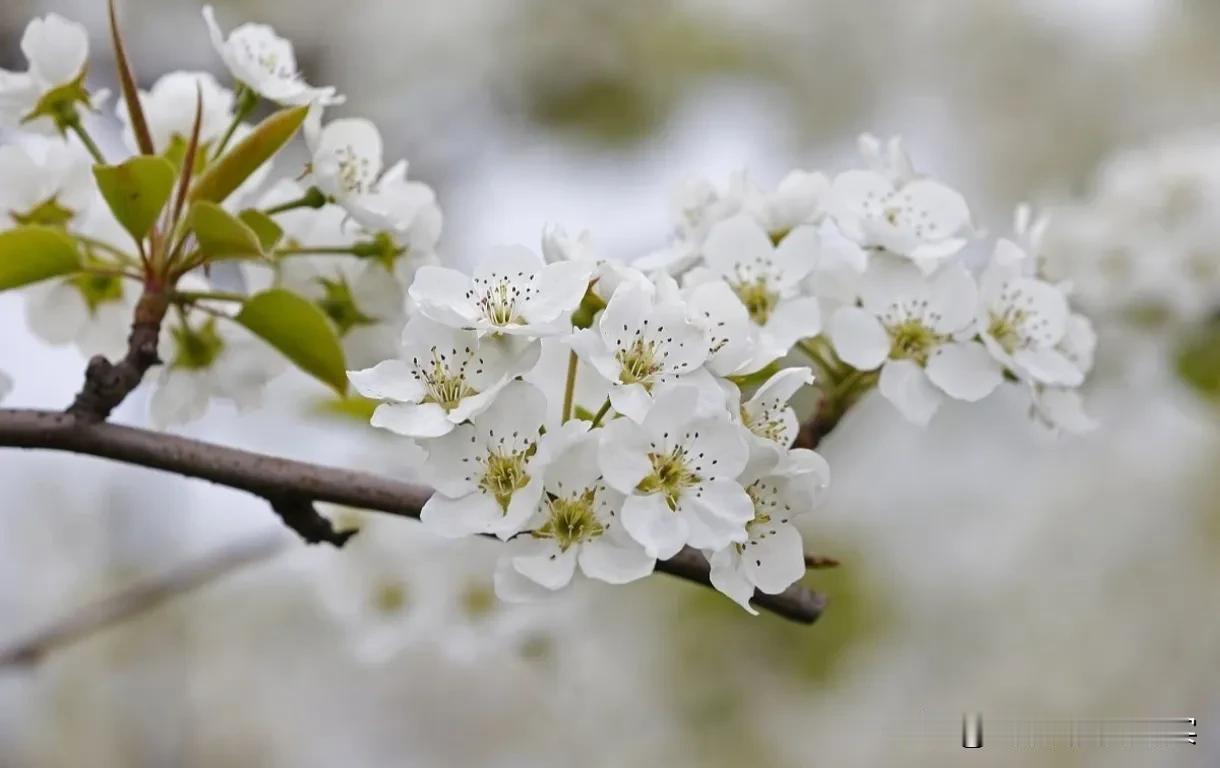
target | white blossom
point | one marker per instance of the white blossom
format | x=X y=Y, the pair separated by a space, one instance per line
x=46 y=182
x=1023 y=320
x=264 y=62
x=443 y=377
x=641 y=342
x=909 y=216
x=513 y=291
x=488 y=473
x=770 y=420
x=576 y=525
x=678 y=469
x=772 y=557
x=767 y=280
x=919 y=330
x=56 y=50
x=169 y=109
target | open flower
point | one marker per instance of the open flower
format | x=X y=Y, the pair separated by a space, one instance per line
x=640 y=342
x=772 y=557
x=488 y=473
x=679 y=472
x=918 y=329
x=576 y=524
x=169 y=108
x=766 y=279
x=891 y=210
x=57 y=51
x=513 y=291
x=45 y=182
x=1023 y=320
x=443 y=377
x=208 y=358
x=265 y=63
x=772 y=423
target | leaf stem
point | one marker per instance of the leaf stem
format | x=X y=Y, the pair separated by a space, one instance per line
x=247 y=100
x=569 y=389
x=601 y=414
x=79 y=129
x=191 y=297
x=317 y=250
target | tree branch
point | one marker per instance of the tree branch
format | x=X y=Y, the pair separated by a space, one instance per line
x=107 y=384
x=138 y=599
x=291 y=484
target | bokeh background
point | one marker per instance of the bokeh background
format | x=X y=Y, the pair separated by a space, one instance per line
x=986 y=567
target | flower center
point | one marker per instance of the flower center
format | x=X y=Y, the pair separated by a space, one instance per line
x=48 y=213
x=758 y=297
x=504 y=475
x=354 y=170
x=671 y=475
x=912 y=340
x=1005 y=327
x=444 y=388
x=640 y=362
x=196 y=349
x=497 y=297
x=340 y=305
x=571 y=520
x=768 y=425
x=390 y=597
x=97 y=290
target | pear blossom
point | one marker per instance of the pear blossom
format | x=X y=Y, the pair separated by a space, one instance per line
x=46 y=182
x=919 y=330
x=206 y=357
x=767 y=280
x=640 y=342
x=1022 y=321
x=264 y=62
x=56 y=50
x=770 y=420
x=488 y=473
x=678 y=469
x=731 y=334
x=513 y=291
x=772 y=557
x=443 y=377
x=576 y=524
x=893 y=211
x=169 y=110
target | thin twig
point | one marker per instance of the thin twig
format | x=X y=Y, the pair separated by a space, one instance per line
x=140 y=598
x=274 y=478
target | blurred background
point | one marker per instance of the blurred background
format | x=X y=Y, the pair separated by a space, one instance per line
x=985 y=566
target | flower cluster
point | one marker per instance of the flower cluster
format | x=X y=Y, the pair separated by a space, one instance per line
x=598 y=415
x=1143 y=246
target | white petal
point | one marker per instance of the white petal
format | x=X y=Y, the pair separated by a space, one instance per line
x=441 y=294
x=388 y=380
x=549 y=568
x=955 y=296
x=56 y=48
x=650 y=521
x=631 y=400
x=780 y=387
x=512 y=587
x=1049 y=366
x=623 y=455
x=964 y=370
x=728 y=577
x=56 y=312
x=736 y=241
x=774 y=558
x=793 y=320
x=859 y=338
x=465 y=516
x=906 y=385
x=725 y=499
x=615 y=563
x=412 y=420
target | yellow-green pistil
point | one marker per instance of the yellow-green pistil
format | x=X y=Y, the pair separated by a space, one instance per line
x=639 y=363
x=758 y=299
x=1004 y=328
x=912 y=340
x=442 y=387
x=505 y=475
x=670 y=476
x=571 y=520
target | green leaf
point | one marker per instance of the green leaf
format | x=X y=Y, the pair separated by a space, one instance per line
x=222 y=235
x=269 y=233
x=136 y=191
x=225 y=175
x=1199 y=360
x=30 y=254
x=299 y=330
